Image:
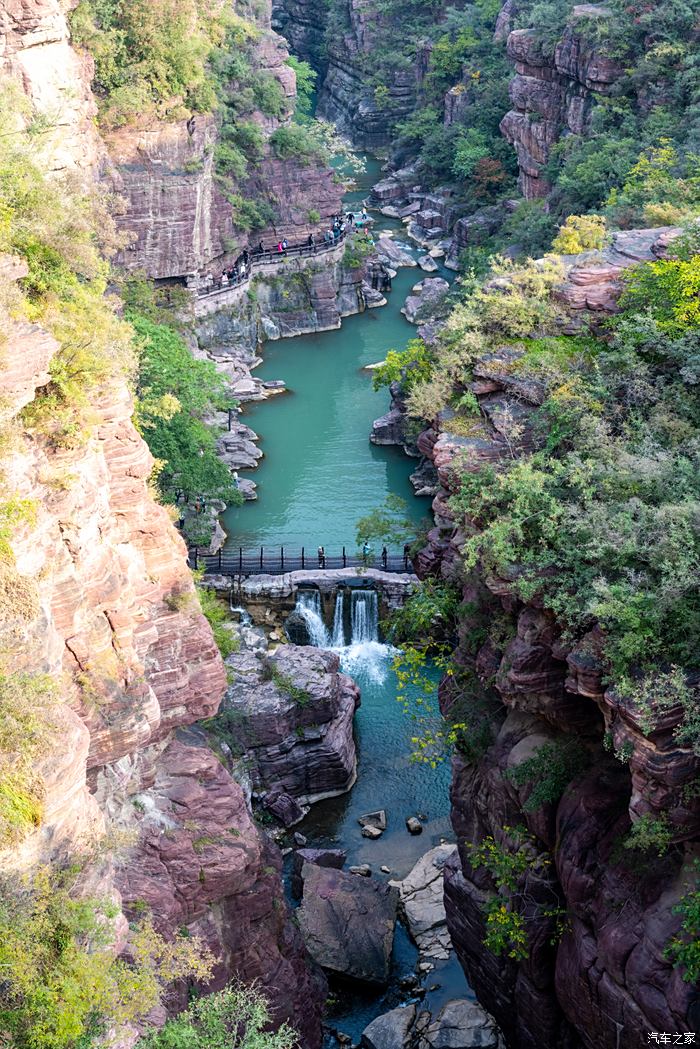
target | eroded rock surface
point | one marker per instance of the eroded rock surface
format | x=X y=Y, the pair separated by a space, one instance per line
x=293 y=713
x=421 y=898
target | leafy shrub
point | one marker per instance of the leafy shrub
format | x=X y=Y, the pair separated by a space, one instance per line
x=549 y=771
x=683 y=950
x=151 y=56
x=580 y=233
x=217 y=616
x=650 y=834
x=28 y=724
x=175 y=393
x=62 y=985
x=428 y=614
x=235 y=1018
x=509 y=863
x=407 y=367
x=386 y=524
x=357 y=250
x=294 y=140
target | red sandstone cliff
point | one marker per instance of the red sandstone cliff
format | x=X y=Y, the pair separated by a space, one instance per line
x=605 y=981
x=97 y=594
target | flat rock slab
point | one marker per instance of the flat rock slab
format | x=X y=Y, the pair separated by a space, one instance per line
x=348 y=923
x=422 y=902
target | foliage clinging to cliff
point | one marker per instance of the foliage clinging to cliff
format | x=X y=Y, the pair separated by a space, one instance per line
x=235 y=1018
x=151 y=56
x=62 y=986
x=176 y=393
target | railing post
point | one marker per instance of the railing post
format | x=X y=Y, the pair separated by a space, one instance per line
x=219 y=566
x=345 y=563
x=302 y=557
x=282 y=557
x=240 y=560
x=261 y=558
x=196 y=556
x=230 y=413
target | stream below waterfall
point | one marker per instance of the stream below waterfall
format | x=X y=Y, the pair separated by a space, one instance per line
x=319 y=475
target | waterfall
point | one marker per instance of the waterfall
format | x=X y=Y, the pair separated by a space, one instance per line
x=243 y=616
x=338 y=640
x=309 y=606
x=364 y=617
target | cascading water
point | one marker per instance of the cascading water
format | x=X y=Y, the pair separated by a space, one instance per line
x=309 y=606
x=338 y=639
x=243 y=616
x=365 y=657
x=364 y=616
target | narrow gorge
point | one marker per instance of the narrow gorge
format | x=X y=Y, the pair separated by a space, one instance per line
x=349 y=524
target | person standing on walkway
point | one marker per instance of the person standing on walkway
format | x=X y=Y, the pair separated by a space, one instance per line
x=321 y=557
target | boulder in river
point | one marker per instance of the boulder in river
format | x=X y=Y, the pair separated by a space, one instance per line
x=348 y=924
x=414 y=825
x=297 y=629
x=462 y=1024
x=391 y=1030
x=427 y=263
x=422 y=901
x=392 y=254
x=286 y=808
x=371 y=832
x=320 y=857
x=373 y=819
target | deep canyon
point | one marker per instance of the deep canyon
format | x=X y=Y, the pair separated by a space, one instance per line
x=207 y=784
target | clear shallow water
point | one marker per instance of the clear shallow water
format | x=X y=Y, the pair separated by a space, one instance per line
x=320 y=472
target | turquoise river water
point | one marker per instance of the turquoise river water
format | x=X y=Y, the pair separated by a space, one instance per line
x=319 y=475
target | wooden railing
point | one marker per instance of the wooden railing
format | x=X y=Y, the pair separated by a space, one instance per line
x=279 y=559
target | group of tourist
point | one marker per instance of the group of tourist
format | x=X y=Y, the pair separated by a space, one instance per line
x=231 y=274
x=241 y=268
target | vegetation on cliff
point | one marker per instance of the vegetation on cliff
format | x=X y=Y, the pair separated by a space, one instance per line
x=63 y=986
x=235 y=1018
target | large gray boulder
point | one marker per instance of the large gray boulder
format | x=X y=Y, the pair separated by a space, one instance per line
x=292 y=712
x=422 y=902
x=462 y=1024
x=320 y=857
x=392 y=254
x=348 y=923
x=391 y=1030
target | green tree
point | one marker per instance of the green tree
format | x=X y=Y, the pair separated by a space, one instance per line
x=386 y=524
x=175 y=394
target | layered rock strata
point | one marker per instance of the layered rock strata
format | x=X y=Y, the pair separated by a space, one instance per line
x=552 y=96
x=175 y=207
x=108 y=609
x=291 y=712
